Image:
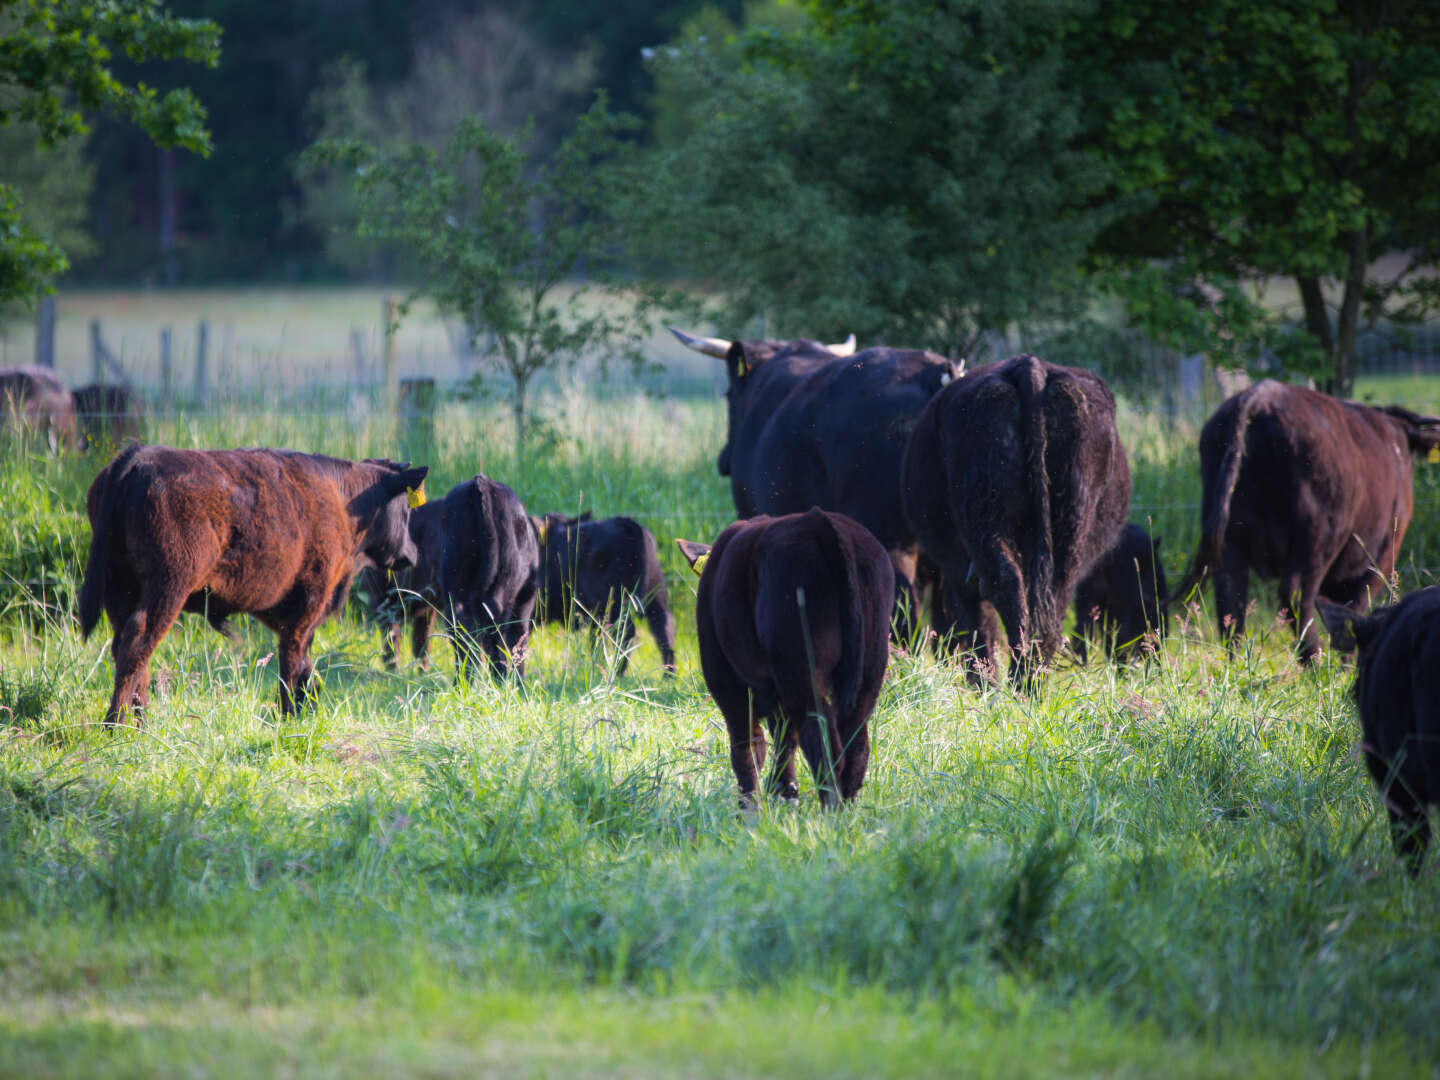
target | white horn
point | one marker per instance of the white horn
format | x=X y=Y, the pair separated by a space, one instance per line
x=845 y=348
x=710 y=346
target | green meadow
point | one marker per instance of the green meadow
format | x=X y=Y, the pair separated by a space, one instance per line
x=1175 y=869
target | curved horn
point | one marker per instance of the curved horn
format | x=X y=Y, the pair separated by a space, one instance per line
x=710 y=346
x=845 y=348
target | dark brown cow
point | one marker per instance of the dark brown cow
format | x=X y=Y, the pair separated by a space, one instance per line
x=1016 y=484
x=1397 y=687
x=1122 y=599
x=109 y=416
x=793 y=616
x=275 y=533
x=823 y=425
x=33 y=398
x=594 y=571
x=1304 y=488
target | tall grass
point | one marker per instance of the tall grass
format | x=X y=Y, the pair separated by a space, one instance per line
x=1177 y=866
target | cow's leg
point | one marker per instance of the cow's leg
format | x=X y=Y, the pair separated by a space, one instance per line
x=1307 y=626
x=1409 y=830
x=296 y=667
x=743 y=725
x=137 y=634
x=786 y=736
x=1232 y=594
x=422 y=619
x=855 y=757
x=905 y=619
x=390 y=643
x=824 y=752
x=662 y=629
x=1007 y=593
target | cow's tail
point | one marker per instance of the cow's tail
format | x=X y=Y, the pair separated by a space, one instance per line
x=656 y=603
x=105 y=503
x=1040 y=599
x=1215 y=507
x=845 y=687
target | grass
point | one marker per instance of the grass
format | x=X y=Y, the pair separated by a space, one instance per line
x=1178 y=868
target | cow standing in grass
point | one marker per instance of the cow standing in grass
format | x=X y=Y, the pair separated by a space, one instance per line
x=594 y=571
x=1122 y=599
x=1302 y=487
x=274 y=533
x=823 y=425
x=33 y=399
x=478 y=567
x=109 y=416
x=1397 y=687
x=1016 y=484
x=793 y=616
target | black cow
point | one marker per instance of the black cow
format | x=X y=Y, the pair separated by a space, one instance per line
x=1397 y=687
x=1122 y=599
x=822 y=425
x=109 y=416
x=793 y=616
x=479 y=567
x=1016 y=484
x=1308 y=489
x=413 y=594
x=593 y=571
x=33 y=398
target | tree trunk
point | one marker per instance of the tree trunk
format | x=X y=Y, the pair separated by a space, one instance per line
x=1346 y=361
x=517 y=409
x=1317 y=319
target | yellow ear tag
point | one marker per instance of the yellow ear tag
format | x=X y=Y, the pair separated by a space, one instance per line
x=699 y=564
x=415 y=496
x=741 y=368
x=1434 y=456
x=542 y=530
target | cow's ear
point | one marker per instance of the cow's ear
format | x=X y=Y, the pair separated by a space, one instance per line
x=1347 y=630
x=738 y=360
x=586 y=516
x=1156 y=544
x=411 y=481
x=695 y=554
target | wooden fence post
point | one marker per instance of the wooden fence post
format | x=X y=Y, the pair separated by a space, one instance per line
x=388 y=356
x=415 y=423
x=167 y=368
x=202 y=368
x=45 y=332
x=97 y=353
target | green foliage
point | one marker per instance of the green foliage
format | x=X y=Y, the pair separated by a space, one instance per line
x=56 y=65
x=498 y=244
x=901 y=171
x=1251 y=139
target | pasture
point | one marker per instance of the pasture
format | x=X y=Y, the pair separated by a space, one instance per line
x=1175 y=868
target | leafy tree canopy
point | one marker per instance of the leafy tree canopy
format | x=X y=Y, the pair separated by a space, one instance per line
x=907 y=171
x=1258 y=139
x=56 y=60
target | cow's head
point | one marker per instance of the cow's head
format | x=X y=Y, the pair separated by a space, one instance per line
x=387 y=543
x=742 y=359
x=1422 y=433
x=556 y=531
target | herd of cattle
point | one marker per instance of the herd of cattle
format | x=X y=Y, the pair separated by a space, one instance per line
x=868 y=486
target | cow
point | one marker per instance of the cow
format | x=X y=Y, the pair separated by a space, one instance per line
x=1314 y=491
x=108 y=416
x=32 y=398
x=823 y=425
x=1016 y=484
x=793 y=617
x=1122 y=599
x=479 y=567
x=595 y=570
x=1397 y=689
x=275 y=533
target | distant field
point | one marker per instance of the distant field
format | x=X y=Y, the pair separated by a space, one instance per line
x=300 y=338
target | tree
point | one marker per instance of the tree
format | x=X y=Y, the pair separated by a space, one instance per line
x=55 y=65
x=1255 y=139
x=907 y=171
x=500 y=247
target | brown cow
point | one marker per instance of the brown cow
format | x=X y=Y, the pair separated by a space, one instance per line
x=275 y=533
x=33 y=398
x=109 y=416
x=793 y=616
x=594 y=571
x=1016 y=484
x=1300 y=486
x=1397 y=687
